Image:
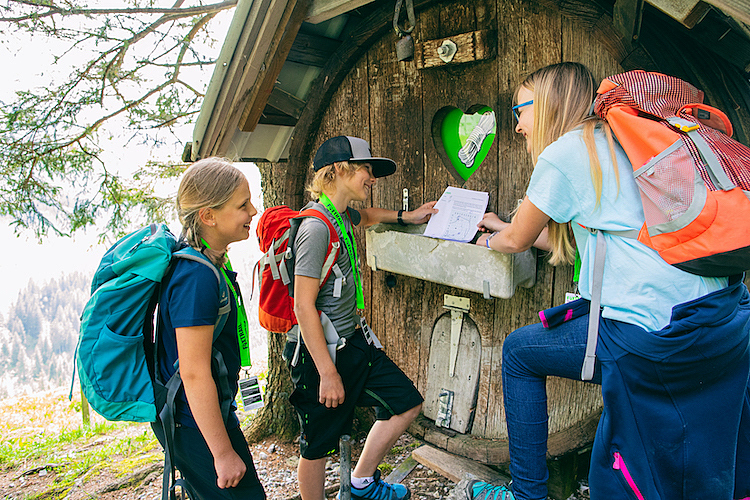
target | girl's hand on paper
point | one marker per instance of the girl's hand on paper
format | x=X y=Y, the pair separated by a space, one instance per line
x=491 y=222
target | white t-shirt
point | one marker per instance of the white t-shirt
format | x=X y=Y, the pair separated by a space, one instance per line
x=639 y=286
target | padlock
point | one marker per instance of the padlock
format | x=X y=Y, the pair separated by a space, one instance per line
x=405 y=48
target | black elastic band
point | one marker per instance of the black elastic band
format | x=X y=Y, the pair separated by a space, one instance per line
x=401 y=218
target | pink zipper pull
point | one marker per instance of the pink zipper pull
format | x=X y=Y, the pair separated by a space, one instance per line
x=618 y=461
x=620 y=465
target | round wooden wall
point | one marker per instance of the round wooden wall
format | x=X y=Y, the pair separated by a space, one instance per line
x=365 y=92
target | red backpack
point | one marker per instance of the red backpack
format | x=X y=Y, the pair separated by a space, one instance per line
x=693 y=178
x=277 y=228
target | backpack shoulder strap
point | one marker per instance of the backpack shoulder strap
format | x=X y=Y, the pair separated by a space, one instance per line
x=189 y=253
x=597 y=282
x=333 y=242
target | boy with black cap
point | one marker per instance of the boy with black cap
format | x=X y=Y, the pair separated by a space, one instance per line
x=327 y=390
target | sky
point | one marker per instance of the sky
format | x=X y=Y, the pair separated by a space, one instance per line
x=24 y=257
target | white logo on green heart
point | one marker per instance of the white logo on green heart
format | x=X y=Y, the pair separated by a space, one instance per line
x=463 y=139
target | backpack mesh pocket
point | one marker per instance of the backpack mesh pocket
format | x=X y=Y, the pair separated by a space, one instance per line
x=670 y=189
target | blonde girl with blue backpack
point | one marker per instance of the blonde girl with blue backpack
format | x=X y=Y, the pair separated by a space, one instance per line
x=210 y=451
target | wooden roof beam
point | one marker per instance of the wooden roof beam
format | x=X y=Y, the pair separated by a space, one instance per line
x=323 y=10
x=738 y=9
x=261 y=30
x=285 y=102
x=260 y=90
x=312 y=50
x=687 y=12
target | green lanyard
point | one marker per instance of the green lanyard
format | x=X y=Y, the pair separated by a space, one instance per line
x=243 y=337
x=351 y=249
x=577 y=267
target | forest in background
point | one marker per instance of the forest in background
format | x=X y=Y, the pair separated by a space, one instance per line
x=39 y=331
x=38 y=334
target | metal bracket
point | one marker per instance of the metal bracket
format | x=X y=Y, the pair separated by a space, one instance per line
x=458 y=306
x=405 y=200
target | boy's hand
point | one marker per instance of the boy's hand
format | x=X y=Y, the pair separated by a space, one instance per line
x=331 y=393
x=420 y=215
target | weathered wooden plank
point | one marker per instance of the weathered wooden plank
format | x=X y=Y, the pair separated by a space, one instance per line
x=470 y=47
x=687 y=12
x=463 y=382
x=404 y=469
x=286 y=102
x=322 y=10
x=457 y=86
x=396 y=130
x=455 y=467
x=257 y=94
x=272 y=116
x=225 y=115
x=579 y=46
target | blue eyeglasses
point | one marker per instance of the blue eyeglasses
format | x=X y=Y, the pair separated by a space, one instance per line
x=518 y=106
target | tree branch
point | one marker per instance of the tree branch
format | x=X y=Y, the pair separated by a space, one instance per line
x=53 y=10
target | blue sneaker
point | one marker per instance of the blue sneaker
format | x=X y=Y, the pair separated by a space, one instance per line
x=380 y=490
x=479 y=490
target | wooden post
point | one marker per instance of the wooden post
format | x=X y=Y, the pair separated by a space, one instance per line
x=345 y=467
x=85 y=410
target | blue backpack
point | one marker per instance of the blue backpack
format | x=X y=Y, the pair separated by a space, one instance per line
x=117 y=347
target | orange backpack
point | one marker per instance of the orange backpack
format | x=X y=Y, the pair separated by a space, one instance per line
x=276 y=230
x=693 y=178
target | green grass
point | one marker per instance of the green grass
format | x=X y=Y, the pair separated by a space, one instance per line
x=75 y=455
x=34 y=447
x=400 y=449
x=385 y=469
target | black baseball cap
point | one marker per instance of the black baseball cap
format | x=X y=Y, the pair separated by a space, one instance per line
x=345 y=148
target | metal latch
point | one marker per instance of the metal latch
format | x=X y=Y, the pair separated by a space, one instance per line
x=458 y=306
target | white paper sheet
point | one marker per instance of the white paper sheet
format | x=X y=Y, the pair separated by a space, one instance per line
x=460 y=210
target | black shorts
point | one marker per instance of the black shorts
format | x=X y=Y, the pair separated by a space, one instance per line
x=370 y=378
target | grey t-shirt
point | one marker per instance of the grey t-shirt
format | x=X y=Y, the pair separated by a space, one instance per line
x=310 y=246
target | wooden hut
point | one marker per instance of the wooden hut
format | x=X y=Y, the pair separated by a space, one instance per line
x=293 y=73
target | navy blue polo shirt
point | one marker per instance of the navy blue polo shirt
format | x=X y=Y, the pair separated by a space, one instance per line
x=190 y=297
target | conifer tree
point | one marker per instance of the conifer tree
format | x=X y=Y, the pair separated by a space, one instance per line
x=142 y=62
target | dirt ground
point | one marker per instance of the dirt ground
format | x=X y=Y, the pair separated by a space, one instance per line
x=275 y=462
x=138 y=476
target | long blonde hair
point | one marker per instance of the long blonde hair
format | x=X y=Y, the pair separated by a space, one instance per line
x=325 y=178
x=207 y=183
x=563 y=94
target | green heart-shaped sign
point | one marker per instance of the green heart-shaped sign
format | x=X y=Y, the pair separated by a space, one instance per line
x=463 y=139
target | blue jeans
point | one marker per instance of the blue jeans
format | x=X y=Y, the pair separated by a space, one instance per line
x=530 y=355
